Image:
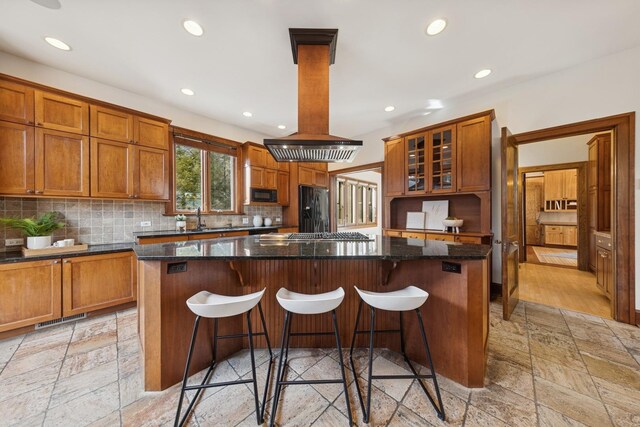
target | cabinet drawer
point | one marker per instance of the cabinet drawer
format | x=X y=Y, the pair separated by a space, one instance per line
x=553 y=228
x=441 y=237
x=603 y=242
x=163 y=239
x=413 y=235
x=468 y=239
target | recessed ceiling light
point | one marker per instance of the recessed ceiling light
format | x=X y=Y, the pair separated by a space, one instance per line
x=187 y=91
x=434 y=104
x=482 y=73
x=193 y=28
x=389 y=108
x=436 y=27
x=57 y=43
x=282 y=127
x=247 y=114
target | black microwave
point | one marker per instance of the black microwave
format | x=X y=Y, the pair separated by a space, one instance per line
x=264 y=195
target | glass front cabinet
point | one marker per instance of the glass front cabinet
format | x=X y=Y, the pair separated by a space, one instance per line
x=442 y=160
x=416 y=164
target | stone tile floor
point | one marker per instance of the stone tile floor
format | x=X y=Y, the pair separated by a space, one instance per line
x=546 y=367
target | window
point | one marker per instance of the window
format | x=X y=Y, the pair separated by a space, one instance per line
x=356 y=203
x=205 y=175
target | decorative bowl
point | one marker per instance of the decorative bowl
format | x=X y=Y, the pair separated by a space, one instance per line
x=452 y=222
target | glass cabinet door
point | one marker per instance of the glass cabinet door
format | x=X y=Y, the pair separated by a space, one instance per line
x=416 y=163
x=442 y=152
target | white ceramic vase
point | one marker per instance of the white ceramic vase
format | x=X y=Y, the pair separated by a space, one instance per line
x=267 y=222
x=38 y=242
x=257 y=221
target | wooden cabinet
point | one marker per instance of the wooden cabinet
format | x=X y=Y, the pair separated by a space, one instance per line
x=305 y=175
x=570 y=235
x=61 y=113
x=563 y=235
x=416 y=163
x=263 y=178
x=413 y=235
x=121 y=170
x=394 y=170
x=442 y=160
x=257 y=156
x=320 y=178
x=561 y=190
x=30 y=293
x=313 y=175
x=284 y=197
x=217 y=235
x=473 y=154
x=151 y=133
x=161 y=239
x=94 y=282
x=108 y=123
x=604 y=271
x=598 y=190
x=468 y=239
x=441 y=237
x=554 y=185
x=270 y=178
x=392 y=233
x=16 y=103
x=17 y=151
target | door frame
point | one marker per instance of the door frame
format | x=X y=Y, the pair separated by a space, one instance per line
x=623 y=198
x=583 y=232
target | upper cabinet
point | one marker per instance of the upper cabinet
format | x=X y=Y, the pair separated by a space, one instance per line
x=394 y=173
x=473 y=151
x=16 y=103
x=17 y=154
x=442 y=160
x=119 y=125
x=262 y=171
x=57 y=112
x=151 y=133
x=415 y=161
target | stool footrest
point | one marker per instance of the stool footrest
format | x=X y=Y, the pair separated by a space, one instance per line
x=380 y=331
x=220 y=384
x=400 y=377
x=224 y=337
x=306 y=334
x=307 y=382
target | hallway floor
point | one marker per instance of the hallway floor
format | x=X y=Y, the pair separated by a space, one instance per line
x=546 y=367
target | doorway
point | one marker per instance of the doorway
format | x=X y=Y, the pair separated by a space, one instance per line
x=621 y=193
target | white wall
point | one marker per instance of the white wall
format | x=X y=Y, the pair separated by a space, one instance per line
x=599 y=88
x=554 y=151
x=375 y=177
x=32 y=71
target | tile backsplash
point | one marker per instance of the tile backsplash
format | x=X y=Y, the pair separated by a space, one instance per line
x=111 y=221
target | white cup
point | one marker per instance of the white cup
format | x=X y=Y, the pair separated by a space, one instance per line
x=60 y=244
x=69 y=242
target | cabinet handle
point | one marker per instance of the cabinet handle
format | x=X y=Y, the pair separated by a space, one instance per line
x=56 y=262
x=131 y=196
x=66 y=261
x=30 y=191
x=39 y=191
x=38 y=124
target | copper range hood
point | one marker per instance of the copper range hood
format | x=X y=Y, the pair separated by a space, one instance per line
x=314 y=50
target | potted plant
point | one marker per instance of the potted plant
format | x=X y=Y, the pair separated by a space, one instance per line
x=181 y=222
x=38 y=231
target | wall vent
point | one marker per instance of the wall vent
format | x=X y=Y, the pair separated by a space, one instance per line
x=60 y=321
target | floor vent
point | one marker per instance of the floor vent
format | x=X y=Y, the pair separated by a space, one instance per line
x=60 y=321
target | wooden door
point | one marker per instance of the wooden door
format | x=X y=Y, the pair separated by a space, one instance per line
x=571 y=184
x=61 y=164
x=554 y=185
x=442 y=160
x=115 y=125
x=151 y=133
x=270 y=177
x=111 y=169
x=534 y=203
x=283 y=188
x=570 y=235
x=394 y=169
x=17 y=159
x=257 y=156
x=150 y=174
x=16 y=103
x=61 y=113
x=473 y=154
x=510 y=247
x=99 y=281
x=29 y=293
x=256 y=177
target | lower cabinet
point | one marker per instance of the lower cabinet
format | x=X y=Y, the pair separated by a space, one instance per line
x=604 y=275
x=99 y=281
x=564 y=235
x=38 y=291
x=30 y=293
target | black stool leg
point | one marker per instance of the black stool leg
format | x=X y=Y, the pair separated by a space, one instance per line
x=276 y=394
x=266 y=386
x=353 y=367
x=440 y=407
x=371 y=338
x=177 y=421
x=344 y=378
x=253 y=368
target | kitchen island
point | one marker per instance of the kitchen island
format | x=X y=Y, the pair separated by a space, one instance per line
x=455 y=275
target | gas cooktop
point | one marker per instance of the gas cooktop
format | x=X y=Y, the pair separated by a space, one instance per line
x=340 y=236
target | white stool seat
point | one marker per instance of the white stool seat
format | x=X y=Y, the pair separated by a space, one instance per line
x=213 y=306
x=309 y=303
x=405 y=299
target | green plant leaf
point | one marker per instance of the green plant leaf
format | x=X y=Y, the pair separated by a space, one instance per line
x=31 y=227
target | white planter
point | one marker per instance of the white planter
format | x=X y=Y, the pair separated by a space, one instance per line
x=38 y=242
x=181 y=225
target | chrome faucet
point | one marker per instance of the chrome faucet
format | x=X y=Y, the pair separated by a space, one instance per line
x=199 y=224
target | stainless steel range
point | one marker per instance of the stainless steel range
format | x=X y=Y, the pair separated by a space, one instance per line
x=345 y=236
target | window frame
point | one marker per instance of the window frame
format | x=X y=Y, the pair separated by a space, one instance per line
x=356 y=194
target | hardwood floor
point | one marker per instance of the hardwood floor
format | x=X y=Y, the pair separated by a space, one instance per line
x=563 y=288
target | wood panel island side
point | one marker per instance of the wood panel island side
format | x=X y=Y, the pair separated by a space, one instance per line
x=455 y=275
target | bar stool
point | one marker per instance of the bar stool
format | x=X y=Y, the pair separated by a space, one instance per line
x=213 y=306
x=293 y=302
x=407 y=299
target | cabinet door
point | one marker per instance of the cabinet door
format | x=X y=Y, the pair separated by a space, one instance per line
x=270 y=161
x=94 y=282
x=553 y=235
x=151 y=133
x=29 y=293
x=111 y=124
x=394 y=170
x=17 y=159
x=601 y=256
x=320 y=178
x=283 y=166
x=61 y=113
x=592 y=249
x=283 y=188
x=473 y=154
x=592 y=165
x=270 y=178
x=416 y=163
x=111 y=169
x=569 y=235
x=442 y=160
x=608 y=274
x=258 y=156
x=305 y=175
x=150 y=174
x=554 y=185
x=571 y=184
x=256 y=177
x=16 y=103
x=61 y=163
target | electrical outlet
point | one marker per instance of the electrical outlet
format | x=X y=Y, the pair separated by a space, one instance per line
x=14 y=242
x=245 y=220
x=278 y=220
x=145 y=224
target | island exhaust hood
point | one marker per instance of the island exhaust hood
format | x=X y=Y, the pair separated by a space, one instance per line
x=314 y=50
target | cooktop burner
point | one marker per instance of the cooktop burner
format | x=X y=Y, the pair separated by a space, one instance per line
x=340 y=236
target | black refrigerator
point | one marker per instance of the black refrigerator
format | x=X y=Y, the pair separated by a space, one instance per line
x=313 y=205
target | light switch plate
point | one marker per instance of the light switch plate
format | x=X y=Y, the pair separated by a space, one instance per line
x=278 y=220
x=14 y=242
x=245 y=220
x=145 y=224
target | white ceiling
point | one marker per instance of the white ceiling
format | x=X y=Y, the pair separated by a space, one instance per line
x=243 y=62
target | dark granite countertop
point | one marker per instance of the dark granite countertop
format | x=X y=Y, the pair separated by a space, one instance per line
x=16 y=256
x=250 y=247
x=251 y=230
